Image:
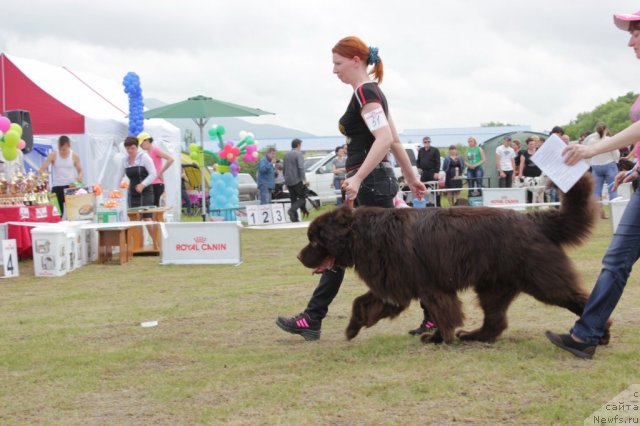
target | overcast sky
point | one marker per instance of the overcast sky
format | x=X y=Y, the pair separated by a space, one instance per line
x=454 y=63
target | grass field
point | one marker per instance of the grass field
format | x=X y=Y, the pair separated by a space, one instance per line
x=72 y=350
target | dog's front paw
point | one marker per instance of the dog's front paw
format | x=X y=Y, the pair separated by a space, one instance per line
x=353 y=328
x=352 y=331
x=435 y=338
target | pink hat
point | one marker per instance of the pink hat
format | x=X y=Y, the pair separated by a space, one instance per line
x=624 y=21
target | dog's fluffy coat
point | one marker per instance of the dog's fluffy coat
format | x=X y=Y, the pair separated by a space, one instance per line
x=431 y=254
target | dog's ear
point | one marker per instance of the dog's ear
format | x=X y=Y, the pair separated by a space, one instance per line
x=335 y=232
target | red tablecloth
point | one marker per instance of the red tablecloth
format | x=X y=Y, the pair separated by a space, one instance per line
x=22 y=234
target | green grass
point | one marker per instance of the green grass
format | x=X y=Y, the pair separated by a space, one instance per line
x=72 y=350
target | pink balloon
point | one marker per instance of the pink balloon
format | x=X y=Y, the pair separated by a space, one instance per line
x=22 y=144
x=5 y=124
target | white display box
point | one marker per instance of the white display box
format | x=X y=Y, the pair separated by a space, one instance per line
x=50 y=251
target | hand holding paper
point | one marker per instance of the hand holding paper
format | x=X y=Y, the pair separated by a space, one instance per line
x=576 y=152
x=549 y=158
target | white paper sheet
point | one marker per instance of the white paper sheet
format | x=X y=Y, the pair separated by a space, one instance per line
x=550 y=160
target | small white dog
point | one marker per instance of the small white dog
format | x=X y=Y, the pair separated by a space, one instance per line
x=535 y=185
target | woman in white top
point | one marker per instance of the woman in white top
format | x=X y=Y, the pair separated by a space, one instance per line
x=65 y=169
x=139 y=168
x=603 y=166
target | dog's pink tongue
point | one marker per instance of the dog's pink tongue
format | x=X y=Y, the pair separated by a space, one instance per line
x=326 y=264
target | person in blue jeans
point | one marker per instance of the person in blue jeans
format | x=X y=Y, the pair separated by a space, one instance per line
x=624 y=249
x=604 y=167
x=475 y=172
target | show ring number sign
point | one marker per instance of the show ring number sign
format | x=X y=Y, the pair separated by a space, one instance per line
x=266 y=214
x=10 y=258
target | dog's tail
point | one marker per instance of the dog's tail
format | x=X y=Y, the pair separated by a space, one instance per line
x=573 y=222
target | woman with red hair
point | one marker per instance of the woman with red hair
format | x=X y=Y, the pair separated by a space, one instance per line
x=370 y=180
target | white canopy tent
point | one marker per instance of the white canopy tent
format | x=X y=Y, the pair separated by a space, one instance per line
x=95 y=110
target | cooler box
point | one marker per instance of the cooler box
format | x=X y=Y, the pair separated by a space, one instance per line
x=50 y=252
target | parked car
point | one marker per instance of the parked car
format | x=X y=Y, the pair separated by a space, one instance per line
x=247 y=187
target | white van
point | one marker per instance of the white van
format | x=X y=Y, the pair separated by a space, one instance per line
x=319 y=173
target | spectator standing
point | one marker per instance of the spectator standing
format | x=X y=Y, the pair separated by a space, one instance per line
x=528 y=168
x=475 y=171
x=185 y=195
x=428 y=164
x=604 y=166
x=515 y=144
x=279 y=180
x=139 y=168
x=294 y=178
x=267 y=175
x=339 y=172
x=65 y=169
x=624 y=249
x=157 y=155
x=453 y=166
x=505 y=156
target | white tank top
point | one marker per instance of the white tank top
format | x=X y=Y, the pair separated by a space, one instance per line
x=63 y=172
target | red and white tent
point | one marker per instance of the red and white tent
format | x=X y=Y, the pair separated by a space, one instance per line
x=91 y=110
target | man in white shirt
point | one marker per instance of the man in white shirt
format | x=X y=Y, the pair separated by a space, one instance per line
x=505 y=162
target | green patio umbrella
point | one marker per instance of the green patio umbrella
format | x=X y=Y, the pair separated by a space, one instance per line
x=201 y=109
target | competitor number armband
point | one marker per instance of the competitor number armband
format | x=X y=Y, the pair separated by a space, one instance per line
x=375 y=119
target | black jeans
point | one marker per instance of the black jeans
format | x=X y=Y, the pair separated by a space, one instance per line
x=507 y=181
x=59 y=191
x=297 y=194
x=377 y=190
x=158 y=190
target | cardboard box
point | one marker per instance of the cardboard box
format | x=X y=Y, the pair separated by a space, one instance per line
x=79 y=206
x=50 y=251
x=106 y=215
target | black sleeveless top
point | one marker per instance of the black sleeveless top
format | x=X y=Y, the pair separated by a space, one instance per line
x=353 y=126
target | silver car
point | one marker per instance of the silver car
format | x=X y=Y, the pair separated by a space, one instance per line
x=247 y=187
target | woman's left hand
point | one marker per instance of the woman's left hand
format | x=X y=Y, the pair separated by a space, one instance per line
x=139 y=188
x=351 y=186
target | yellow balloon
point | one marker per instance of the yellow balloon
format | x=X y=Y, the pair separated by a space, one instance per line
x=11 y=138
x=17 y=128
x=9 y=152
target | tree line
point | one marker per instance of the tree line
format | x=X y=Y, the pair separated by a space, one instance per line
x=614 y=112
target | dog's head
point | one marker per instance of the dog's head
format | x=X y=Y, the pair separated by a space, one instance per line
x=329 y=241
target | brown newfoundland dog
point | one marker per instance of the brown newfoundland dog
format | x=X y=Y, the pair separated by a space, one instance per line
x=432 y=254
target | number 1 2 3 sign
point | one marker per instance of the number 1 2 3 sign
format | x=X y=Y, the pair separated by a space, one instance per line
x=266 y=214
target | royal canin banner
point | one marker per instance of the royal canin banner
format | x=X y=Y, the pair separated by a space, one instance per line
x=200 y=243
